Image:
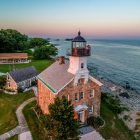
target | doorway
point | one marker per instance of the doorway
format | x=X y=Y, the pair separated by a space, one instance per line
x=81 y=116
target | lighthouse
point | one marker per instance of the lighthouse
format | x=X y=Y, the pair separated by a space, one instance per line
x=71 y=78
x=78 y=55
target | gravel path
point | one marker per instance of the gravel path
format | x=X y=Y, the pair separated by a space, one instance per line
x=22 y=128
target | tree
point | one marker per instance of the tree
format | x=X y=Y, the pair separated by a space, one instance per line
x=60 y=121
x=12 y=41
x=45 y=52
x=38 y=42
x=2 y=81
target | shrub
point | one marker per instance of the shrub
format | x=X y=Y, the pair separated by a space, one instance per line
x=95 y=122
x=34 y=83
x=125 y=117
x=113 y=103
x=2 y=81
x=20 y=90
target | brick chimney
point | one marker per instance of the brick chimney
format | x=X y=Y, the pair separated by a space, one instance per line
x=61 y=60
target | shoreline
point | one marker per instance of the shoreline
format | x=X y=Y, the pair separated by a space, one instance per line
x=132 y=103
x=133 y=99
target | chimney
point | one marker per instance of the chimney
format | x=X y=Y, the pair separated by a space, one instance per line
x=61 y=60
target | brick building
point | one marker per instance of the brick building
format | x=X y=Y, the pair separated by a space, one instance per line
x=71 y=79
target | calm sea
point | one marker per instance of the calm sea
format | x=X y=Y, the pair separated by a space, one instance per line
x=114 y=60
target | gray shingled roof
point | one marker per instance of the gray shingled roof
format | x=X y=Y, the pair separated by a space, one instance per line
x=20 y=75
x=56 y=76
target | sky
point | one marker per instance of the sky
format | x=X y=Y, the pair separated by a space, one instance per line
x=63 y=18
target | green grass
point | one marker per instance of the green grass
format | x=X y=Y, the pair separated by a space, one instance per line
x=8 y=106
x=13 y=138
x=40 y=65
x=33 y=122
x=114 y=127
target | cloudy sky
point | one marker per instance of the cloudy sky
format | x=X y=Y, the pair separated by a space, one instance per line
x=63 y=18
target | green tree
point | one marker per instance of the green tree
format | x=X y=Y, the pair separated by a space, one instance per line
x=12 y=41
x=45 y=52
x=38 y=42
x=2 y=81
x=60 y=121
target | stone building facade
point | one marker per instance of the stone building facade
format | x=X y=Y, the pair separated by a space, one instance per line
x=72 y=80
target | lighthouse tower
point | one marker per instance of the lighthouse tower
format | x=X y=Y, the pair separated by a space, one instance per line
x=78 y=59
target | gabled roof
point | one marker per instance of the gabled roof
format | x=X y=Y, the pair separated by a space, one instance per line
x=13 y=55
x=56 y=76
x=20 y=75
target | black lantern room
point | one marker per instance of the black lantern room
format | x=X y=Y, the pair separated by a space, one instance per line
x=79 y=47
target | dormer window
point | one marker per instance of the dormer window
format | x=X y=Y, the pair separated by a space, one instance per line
x=82 y=65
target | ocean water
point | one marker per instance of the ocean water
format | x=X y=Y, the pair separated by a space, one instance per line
x=115 y=60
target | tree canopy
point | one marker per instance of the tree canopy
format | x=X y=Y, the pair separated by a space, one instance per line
x=38 y=42
x=12 y=41
x=60 y=121
x=45 y=51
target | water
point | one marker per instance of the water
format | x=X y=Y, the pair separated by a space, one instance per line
x=114 y=60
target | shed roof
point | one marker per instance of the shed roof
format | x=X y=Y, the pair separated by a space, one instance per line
x=20 y=75
x=13 y=55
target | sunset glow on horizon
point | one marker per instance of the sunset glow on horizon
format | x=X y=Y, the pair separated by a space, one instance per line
x=63 y=18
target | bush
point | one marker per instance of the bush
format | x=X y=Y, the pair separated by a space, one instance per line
x=2 y=81
x=34 y=83
x=113 y=103
x=20 y=90
x=95 y=122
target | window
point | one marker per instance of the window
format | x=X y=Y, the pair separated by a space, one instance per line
x=82 y=65
x=81 y=96
x=90 y=108
x=91 y=93
x=76 y=96
x=79 y=81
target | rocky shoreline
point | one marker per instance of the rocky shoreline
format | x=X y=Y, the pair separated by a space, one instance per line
x=130 y=99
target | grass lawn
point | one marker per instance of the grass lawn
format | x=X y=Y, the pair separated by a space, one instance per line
x=14 y=138
x=40 y=65
x=8 y=106
x=114 y=128
x=33 y=122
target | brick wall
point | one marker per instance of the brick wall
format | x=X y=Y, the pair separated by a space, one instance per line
x=45 y=97
x=70 y=91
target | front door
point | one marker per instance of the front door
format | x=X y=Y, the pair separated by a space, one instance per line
x=81 y=116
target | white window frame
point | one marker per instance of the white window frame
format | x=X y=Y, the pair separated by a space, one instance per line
x=80 y=95
x=92 y=91
x=91 y=109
